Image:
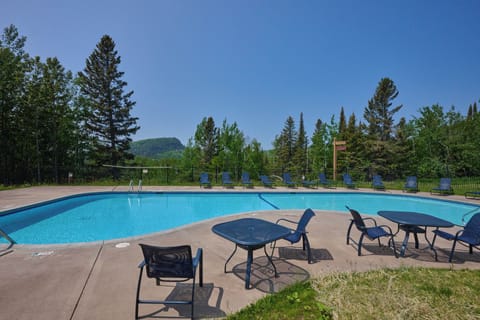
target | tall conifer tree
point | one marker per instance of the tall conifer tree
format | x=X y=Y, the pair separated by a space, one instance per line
x=109 y=121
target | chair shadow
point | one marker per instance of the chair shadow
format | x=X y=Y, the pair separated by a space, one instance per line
x=183 y=291
x=295 y=253
x=263 y=276
x=374 y=249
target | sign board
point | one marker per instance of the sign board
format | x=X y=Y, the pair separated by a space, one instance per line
x=341 y=148
x=340 y=143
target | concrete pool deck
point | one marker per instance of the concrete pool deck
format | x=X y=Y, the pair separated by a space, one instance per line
x=98 y=280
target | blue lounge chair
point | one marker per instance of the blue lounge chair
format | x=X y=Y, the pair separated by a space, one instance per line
x=472 y=194
x=374 y=232
x=309 y=183
x=347 y=181
x=205 y=180
x=325 y=182
x=377 y=183
x=443 y=188
x=300 y=233
x=287 y=180
x=170 y=264
x=411 y=184
x=246 y=182
x=469 y=235
x=266 y=181
x=226 y=180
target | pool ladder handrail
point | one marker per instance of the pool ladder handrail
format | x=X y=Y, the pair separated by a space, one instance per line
x=130 y=186
x=139 y=185
x=6 y=236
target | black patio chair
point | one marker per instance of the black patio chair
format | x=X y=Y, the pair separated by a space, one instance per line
x=170 y=264
x=374 y=232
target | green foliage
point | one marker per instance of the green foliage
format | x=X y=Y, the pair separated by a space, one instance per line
x=158 y=148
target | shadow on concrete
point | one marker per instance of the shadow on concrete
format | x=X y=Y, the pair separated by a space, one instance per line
x=263 y=276
x=289 y=253
x=183 y=291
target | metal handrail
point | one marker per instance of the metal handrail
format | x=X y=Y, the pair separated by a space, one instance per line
x=139 y=185
x=6 y=236
x=130 y=187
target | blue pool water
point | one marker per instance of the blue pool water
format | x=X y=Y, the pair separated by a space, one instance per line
x=106 y=216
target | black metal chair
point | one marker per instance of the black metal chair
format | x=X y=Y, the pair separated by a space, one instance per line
x=169 y=264
x=374 y=232
x=300 y=233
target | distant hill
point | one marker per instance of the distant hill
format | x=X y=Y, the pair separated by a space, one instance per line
x=158 y=148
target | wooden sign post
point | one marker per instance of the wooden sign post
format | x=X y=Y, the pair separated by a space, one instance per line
x=337 y=146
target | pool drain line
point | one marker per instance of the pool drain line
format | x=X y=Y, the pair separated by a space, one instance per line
x=86 y=281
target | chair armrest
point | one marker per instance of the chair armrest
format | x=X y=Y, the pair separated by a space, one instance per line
x=142 y=264
x=374 y=221
x=286 y=220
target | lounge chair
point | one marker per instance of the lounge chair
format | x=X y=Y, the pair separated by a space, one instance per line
x=377 y=183
x=374 y=232
x=309 y=183
x=322 y=178
x=411 y=184
x=205 y=180
x=170 y=264
x=266 y=181
x=472 y=194
x=469 y=235
x=226 y=180
x=300 y=233
x=347 y=181
x=246 y=182
x=287 y=180
x=443 y=188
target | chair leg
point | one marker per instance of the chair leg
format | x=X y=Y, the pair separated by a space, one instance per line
x=138 y=292
x=306 y=245
x=193 y=297
x=471 y=249
x=393 y=245
x=453 y=249
x=348 y=231
x=360 y=245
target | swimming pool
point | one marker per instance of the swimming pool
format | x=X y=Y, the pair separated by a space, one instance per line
x=115 y=215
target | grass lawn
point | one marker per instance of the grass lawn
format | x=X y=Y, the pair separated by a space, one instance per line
x=404 y=293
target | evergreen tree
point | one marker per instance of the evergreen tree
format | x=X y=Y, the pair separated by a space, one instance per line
x=108 y=122
x=379 y=112
x=342 y=126
x=284 y=146
x=206 y=138
x=14 y=64
x=300 y=156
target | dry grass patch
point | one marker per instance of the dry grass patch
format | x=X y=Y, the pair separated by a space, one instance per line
x=405 y=293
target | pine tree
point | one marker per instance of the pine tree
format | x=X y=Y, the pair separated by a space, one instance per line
x=109 y=121
x=206 y=138
x=379 y=112
x=284 y=145
x=300 y=157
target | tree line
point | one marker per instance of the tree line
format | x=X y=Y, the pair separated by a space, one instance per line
x=54 y=123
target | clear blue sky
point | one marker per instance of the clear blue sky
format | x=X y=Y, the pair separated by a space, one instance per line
x=256 y=62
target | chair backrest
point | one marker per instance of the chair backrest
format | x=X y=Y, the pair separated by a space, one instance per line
x=226 y=177
x=168 y=262
x=411 y=182
x=204 y=177
x=304 y=220
x=347 y=178
x=286 y=177
x=472 y=228
x=357 y=219
x=322 y=177
x=245 y=177
x=445 y=183
x=377 y=178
